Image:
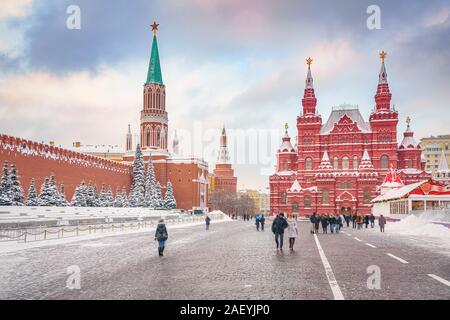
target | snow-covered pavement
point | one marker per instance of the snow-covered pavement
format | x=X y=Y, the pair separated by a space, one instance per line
x=230 y=261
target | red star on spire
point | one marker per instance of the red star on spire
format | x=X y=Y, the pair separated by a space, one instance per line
x=154 y=27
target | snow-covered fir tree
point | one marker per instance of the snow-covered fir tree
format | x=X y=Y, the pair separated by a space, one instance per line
x=118 y=200
x=32 y=199
x=125 y=202
x=16 y=188
x=109 y=198
x=158 y=198
x=46 y=195
x=102 y=197
x=138 y=183
x=169 y=200
x=90 y=200
x=55 y=199
x=79 y=197
x=5 y=187
x=96 y=197
x=62 y=197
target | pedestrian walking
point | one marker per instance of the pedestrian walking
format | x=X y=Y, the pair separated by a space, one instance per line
x=262 y=220
x=278 y=226
x=257 y=221
x=324 y=221
x=313 y=220
x=372 y=220
x=207 y=221
x=292 y=232
x=366 y=220
x=347 y=219
x=382 y=222
x=317 y=224
x=339 y=223
x=161 y=236
x=359 y=221
x=354 y=218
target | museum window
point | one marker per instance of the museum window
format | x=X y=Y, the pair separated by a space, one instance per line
x=308 y=162
x=283 y=197
x=384 y=162
x=345 y=163
x=307 y=201
x=355 y=162
x=409 y=165
x=349 y=184
x=295 y=207
x=325 y=196
x=366 y=196
x=335 y=163
x=285 y=166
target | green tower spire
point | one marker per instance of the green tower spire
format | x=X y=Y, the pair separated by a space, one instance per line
x=154 y=66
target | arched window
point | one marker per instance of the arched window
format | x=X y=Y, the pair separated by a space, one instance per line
x=335 y=163
x=158 y=137
x=355 y=162
x=283 y=197
x=147 y=143
x=295 y=207
x=342 y=184
x=307 y=201
x=285 y=166
x=409 y=165
x=349 y=184
x=325 y=196
x=366 y=196
x=308 y=162
x=345 y=163
x=384 y=162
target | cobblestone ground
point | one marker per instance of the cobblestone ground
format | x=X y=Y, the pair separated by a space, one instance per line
x=230 y=261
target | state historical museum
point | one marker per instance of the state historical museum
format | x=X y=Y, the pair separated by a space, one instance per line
x=337 y=166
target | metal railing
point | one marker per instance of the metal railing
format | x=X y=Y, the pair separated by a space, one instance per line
x=47 y=233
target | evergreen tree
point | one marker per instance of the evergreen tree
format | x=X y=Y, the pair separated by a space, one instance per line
x=79 y=197
x=125 y=202
x=102 y=197
x=45 y=197
x=138 y=184
x=158 y=199
x=150 y=184
x=6 y=197
x=62 y=197
x=55 y=198
x=169 y=201
x=96 y=197
x=118 y=200
x=32 y=199
x=16 y=188
x=109 y=198
x=90 y=200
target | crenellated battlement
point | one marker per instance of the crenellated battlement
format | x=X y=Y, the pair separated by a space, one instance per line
x=36 y=149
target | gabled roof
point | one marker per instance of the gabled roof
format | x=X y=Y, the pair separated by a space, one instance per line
x=338 y=112
x=296 y=187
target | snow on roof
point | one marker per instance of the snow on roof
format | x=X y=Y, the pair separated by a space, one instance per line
x=409 y=141
x=398 y=192
x=295 y=186
x=338 y=112
x=285 y=173
x=98 y=149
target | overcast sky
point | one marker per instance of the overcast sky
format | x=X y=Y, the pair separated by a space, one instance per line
x=226 y=62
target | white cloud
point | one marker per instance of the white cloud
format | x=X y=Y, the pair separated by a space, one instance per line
x=15 y=8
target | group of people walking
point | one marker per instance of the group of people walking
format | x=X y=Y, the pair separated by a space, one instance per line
x=260 y=220
x=279 y=224
x=336 y=222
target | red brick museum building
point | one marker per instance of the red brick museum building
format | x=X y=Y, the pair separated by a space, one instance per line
x=337 y=166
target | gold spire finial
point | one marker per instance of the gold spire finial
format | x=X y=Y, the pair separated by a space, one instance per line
x=154 y=27
x=408 y=120
x=309 y=61
x=383 y=55
x=286 y=126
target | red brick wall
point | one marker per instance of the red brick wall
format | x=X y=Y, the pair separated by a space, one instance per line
x=71 y=167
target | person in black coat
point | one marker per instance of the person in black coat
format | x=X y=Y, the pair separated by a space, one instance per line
x=208 y=222
x=278 y=226
x=317 y=224
x=366 y=220
x=262 y=220
x=372 y=220
x=324 y=221
x=354 y=217
x=161 y=236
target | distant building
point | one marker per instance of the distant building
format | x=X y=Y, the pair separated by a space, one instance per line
x=224 y=179
x=260 y=199
x=432 y=149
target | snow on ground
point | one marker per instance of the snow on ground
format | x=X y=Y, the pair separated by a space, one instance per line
x=12 y=246
x=421 y=231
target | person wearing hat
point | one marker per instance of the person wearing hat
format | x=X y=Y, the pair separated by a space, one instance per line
x=161 y=236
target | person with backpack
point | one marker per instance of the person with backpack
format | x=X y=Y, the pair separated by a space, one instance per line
x=257 y=222
x=278 y=226
x=161 y=236
x=262 y=220
x=313 y=220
